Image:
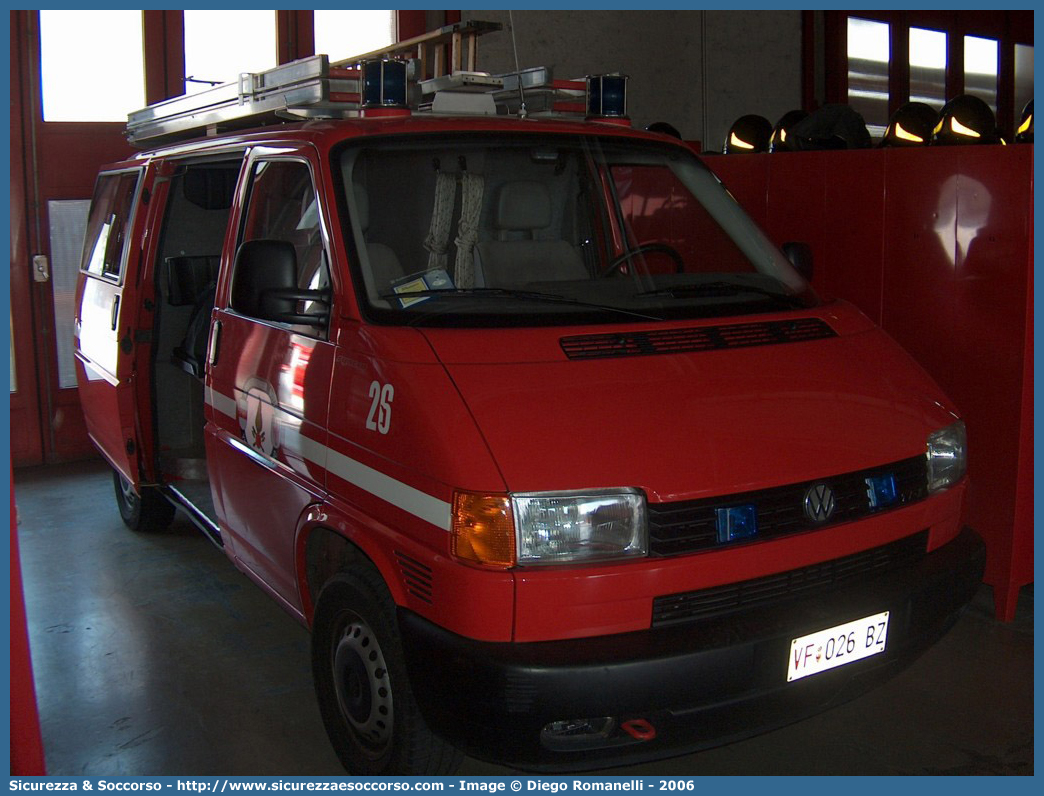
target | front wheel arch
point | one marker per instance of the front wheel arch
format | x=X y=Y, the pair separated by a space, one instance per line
x=323 y=552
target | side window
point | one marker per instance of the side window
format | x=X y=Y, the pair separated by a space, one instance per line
x=283 y=206
x=109 y=224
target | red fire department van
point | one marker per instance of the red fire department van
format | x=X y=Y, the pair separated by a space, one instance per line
x=563 y=463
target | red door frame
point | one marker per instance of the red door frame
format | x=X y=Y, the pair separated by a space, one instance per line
x=26 y=439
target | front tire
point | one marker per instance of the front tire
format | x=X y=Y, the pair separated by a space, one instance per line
x=149 y=511
x=361 y=683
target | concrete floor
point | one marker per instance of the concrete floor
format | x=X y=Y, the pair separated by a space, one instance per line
x=153 y=655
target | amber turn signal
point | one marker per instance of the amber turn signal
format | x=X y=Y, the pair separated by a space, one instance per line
x=484 y=529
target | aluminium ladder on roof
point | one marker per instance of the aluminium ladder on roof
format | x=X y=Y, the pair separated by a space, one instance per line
x=305 y=88
x=313 y=87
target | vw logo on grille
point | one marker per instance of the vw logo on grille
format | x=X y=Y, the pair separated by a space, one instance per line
x=819 y=503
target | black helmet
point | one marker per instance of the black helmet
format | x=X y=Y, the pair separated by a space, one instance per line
x=749 y=133
x=910 y=125
x=1024 y=135
x=664 y=127
x=830 y=127
x=778 y=142
x=966 y=120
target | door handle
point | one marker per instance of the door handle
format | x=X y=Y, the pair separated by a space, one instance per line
x=115 y=311
x=215 y=339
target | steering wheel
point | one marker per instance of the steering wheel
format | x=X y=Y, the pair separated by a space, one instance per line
x=629 y=255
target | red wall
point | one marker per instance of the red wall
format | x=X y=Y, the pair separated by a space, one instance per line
x=27 y=754
x=936 y=246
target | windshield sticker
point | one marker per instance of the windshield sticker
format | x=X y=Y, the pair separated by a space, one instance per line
x=437 y=279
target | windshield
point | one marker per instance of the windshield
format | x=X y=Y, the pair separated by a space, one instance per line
x=500 y=229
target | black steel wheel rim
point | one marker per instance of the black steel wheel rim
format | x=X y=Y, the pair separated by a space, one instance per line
x=362 y=684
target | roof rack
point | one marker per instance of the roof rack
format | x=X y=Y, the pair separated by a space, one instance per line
x=314 y=87
x=481 y=92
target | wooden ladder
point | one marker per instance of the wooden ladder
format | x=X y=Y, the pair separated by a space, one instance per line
x=430 y=48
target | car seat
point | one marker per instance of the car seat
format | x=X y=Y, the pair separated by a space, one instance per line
x=521 y=210
x=384 y=264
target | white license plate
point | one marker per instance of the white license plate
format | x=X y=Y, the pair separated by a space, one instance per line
x=836 y=646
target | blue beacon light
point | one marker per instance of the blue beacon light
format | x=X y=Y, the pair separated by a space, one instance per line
x=882 y=490
x=607 y=96
x=737 y=522
x=383 y=84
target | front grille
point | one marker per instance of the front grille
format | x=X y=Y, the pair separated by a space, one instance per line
x=690 y=526
x=699 y=338
x=816 y=579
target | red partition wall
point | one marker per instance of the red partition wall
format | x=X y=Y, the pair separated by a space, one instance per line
x=935 y=245
x=27 y=753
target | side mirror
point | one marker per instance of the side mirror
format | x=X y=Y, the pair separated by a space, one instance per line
x=264 y=284
x=800 y=256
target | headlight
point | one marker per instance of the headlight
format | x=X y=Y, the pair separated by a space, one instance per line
x=549 y=527
x=947 y=456
x=580 y=526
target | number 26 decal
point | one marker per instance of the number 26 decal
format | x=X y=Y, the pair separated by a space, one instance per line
x=381 y=396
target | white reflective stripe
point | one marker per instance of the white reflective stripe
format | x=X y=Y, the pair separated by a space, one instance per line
x=313 y=451
x=419 y=504
x=221 y=403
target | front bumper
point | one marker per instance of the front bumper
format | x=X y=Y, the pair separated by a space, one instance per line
x=698 y=684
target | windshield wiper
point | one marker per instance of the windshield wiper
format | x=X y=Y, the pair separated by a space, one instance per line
x=525 y=295
x=722 y=289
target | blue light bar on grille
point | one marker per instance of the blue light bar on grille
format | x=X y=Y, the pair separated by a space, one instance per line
x=737 y=522
x=882 y=490
x=383 y=83
x=607 y=96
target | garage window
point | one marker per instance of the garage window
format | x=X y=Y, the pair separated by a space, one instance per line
x=981 y=62
x=213 y=55
x=342 y=34
x=869 y=55
x=928 y=67
x=85 y=82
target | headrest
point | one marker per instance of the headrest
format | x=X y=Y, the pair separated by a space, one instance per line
x=523 y=205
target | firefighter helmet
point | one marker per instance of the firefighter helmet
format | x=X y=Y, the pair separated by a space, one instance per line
x=778 y=142
x=748 y=133
x=911 y=125
x=966 y=119
x=830 y=127
x=664 y=127
x=1024 y=135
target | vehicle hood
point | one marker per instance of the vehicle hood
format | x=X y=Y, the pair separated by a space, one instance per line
x=691 y=425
